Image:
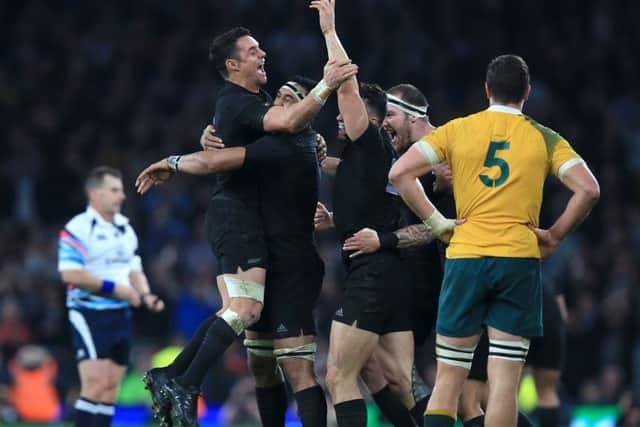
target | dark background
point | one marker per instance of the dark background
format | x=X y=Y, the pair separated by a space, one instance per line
x=125 y=83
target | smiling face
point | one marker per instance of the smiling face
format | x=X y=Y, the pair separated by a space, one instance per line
x=249 y=61
x=398 y=124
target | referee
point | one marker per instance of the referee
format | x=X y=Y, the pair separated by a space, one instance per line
x=98 y=262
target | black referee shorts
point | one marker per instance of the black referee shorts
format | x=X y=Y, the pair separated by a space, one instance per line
x=236 y=234
x=377 y=290
x=290 y=300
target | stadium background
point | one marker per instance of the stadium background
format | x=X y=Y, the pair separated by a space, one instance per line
x=127 y=82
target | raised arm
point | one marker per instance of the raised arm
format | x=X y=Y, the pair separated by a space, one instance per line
x=350 y=104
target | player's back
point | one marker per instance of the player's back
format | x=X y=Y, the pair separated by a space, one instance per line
x=499 y=159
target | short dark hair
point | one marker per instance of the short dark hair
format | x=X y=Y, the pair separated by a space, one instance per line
x=409 y=93
x=375 y=99
x=96 y=176
x=223 y=47
x=508 y=78
x=304 y=81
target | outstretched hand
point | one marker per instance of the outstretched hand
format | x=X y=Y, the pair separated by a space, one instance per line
x=156 y=174
x=327 y=14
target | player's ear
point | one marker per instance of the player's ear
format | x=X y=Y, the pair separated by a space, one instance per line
x=232 y=65
x=487 y=90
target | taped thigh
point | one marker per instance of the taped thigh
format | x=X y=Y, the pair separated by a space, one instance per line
x=260 y=347
x=454 y=355
x=240 y=288
x=305 y=351
x=509 y=350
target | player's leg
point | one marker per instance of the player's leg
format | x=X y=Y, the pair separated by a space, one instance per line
x=395 y=354
x=246 y=292
x=474 y=392
x=461 y=311
x=507 y=353
x=156 y=378
x=388 y=402
x=546 y=357
x=271 y=394
x=296 y=357
x=349 y=349
x=514 y=312
x=548 y=401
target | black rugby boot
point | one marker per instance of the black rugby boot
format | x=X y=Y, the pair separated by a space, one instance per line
x=154 y=379
x=184 y=403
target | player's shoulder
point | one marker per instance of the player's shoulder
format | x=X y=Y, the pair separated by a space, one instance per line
x=550 y=136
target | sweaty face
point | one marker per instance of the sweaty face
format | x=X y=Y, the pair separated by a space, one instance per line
x=251 y=59
x=398 y=125
x=107 y=199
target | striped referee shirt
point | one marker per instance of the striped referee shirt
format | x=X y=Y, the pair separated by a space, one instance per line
x=106 y=250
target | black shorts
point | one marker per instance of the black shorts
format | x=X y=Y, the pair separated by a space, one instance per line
x=101 y=334
x=426 y=277
x=377 y=292
x=236 y=234
x=290 y=299
x=548 y=351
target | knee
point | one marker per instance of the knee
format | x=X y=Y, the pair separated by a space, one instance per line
x=247 y=309
x=94 y=387
x=399 y=381
x=299 y=373
x=332 y=379
x=264 y=370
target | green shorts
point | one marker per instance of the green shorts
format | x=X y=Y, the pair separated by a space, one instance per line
x=504 y=293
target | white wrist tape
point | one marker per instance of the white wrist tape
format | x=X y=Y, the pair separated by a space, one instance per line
x=321 y=92
x=438 y=224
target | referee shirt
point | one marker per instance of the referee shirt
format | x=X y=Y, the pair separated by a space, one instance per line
x=106 y=250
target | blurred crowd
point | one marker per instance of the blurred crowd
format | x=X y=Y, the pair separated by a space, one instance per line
x=125 y=83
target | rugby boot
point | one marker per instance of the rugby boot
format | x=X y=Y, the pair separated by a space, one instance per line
x=184 y=403
x=154 y=380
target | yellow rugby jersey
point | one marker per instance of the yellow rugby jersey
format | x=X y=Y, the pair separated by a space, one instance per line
x=499 y=159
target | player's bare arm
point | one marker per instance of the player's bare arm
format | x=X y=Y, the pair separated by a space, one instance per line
x=198 y=163
x=368 y=241
x=586 y=192
x=350 y=104
x=404 y=175
x=85 y=280
x=296 y=117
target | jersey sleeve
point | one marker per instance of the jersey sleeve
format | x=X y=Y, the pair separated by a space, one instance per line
x=72 y=250
x=435 y=146
x=136 y=262
x=251 y=112
x=563 y=158
x=267 y=151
